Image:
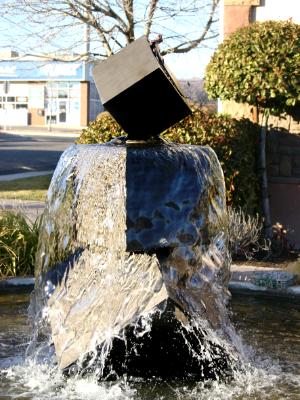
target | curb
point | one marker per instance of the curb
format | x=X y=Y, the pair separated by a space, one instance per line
x=20 y=285
x=263 y=281
x=70 y=134
x=247 y=288
x=235 y=287
x=23 y=175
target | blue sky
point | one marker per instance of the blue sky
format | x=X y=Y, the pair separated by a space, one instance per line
x=186 y=65
x=190 y=65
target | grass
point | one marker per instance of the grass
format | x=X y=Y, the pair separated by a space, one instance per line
x=34 y=188
x=18 y=244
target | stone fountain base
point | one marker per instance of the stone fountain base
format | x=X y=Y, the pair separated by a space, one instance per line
x=132 y=230
x=165 y=345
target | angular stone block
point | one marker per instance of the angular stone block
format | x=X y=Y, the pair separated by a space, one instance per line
x=173 y=348
x=139 y=92
x=137 y=226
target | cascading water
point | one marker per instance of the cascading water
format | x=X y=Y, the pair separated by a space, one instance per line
x=132 y=265
x=132 y=285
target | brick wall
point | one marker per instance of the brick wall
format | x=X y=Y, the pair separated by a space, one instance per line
x=283 y=159
x=283 y=151
x=84 y=103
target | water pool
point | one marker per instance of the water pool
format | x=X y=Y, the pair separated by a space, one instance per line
x=269 y=330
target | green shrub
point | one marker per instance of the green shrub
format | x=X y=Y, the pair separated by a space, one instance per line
x=233 y=140
x=102 y=130
x=259 y=65
x=18 y=244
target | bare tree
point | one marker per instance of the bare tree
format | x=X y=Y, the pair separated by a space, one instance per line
x=57 y=26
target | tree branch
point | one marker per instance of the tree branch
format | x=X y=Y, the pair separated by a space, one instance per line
x=188 y=45
x=150 y=16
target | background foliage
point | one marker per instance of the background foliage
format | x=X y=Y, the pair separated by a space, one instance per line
x=233 y=140
x=258 y=65
x=18 y=244
x=102 y=130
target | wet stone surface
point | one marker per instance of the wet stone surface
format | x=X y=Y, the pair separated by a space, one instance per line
x=146 y=223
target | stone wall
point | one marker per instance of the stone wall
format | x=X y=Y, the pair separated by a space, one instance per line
x=283 y=150
x=283 y=158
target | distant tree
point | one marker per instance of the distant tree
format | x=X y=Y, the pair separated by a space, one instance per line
x=259 y=65
x=194 y=91
x=109 y=24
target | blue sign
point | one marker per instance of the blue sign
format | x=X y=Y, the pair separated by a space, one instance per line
x=41 y=70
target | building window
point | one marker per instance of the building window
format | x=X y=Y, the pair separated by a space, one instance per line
x=62 y=102
x=22 y=99
x=12 y=102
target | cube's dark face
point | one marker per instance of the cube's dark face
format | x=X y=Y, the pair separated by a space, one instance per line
x=148 y=107
x=137 y=90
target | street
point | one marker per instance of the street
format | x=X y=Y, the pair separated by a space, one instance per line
x=20 y=153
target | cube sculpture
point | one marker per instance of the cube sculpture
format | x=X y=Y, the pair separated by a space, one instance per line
x=138 y=91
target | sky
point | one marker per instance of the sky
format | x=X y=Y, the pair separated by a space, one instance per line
x=189 y=65
x=183 y=66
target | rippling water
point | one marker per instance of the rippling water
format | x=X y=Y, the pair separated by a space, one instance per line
x=269 y=330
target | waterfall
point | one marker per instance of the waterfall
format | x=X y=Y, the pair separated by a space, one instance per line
x=132 y=265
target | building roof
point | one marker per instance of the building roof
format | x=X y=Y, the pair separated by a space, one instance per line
x=23 y=68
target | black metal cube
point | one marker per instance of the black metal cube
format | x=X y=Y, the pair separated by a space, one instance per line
x=138 y=91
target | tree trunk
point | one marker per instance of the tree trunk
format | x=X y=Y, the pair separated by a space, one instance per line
x=265 y=204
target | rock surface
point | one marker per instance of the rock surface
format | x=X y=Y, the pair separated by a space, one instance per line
x=147 y=223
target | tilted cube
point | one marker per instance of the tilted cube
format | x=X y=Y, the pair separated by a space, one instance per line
x=136 y=88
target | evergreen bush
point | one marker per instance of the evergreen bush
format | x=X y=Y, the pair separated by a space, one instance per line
x=102 y=130
x=259 y=65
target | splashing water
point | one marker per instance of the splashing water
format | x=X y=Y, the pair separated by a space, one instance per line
x=265 y=374
x=126 y=228
x=272 y=373
x=108 y=270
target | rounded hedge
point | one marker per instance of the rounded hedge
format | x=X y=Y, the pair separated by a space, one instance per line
x=258 y=65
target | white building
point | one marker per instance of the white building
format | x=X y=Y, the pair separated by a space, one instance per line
x=36 y=91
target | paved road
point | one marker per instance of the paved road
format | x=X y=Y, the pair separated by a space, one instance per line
x=24 y=153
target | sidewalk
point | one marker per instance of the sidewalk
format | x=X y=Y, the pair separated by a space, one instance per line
x=22 y=175
x=269 y=282
x=42 y=131
x=32 y=209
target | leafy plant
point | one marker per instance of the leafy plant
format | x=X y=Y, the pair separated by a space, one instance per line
x=259 y=65
x=18 y=244
x=102 y=130
x=280 y=244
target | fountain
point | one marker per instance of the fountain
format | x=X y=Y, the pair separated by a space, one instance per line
x=132 y=266
x=132 y=271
